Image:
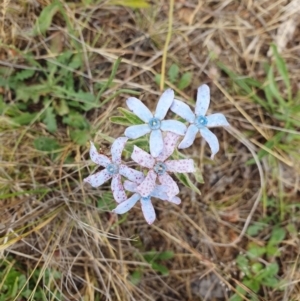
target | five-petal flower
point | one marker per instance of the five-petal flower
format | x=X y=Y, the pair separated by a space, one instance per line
x=113 y=169
x=146 y=204
x=198 y=121
x=154 y=123
x=159 y=167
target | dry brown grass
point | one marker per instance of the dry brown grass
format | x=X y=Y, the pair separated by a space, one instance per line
x=49 y=219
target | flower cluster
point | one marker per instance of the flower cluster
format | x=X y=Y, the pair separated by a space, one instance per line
x=164 y=135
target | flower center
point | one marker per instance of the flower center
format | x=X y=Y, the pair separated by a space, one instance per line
x=146 y=198
x=201 y=121
x=112 y=168
x=160 y=168
x=154 y=123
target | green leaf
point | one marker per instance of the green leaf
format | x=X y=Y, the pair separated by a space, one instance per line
x=46 y=144
x=186 y=181
x=243 y=264
x=136 y=277
x=198 y=176
x=24 y=118
x=270 y=282
x=281 y=66
x=120 y=120
x=61 y=107
x=33 y=92
x=252 y=284
x=256 y=267
x=254 y=229
x=132 y=118
x=24 y=74
x=130 y=3
x=160 y=268
x=106 y=202
x=277 y=236
x=50 y=120
x=157 y=79
x=76 y=61
x=80 y=137
x=270 y=270
x=110 y=79
x=185 y=80
x=173 y=73
x=165 y=255
x=255 y=251
x=45 y=19
x=274 y=88
x=76 y=120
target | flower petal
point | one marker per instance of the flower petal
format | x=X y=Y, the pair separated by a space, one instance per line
x=117 y=148
x=127 y=205
x=98 y=178
x=148 y=210
x=175 y=200
x=147 y=185
x=130 y=186
x=136 y=131
x=98 y=158
x=203 y=100
x=141 y=157
x=156 y=143
x=172 y=188
x=211 y=139
x=189 y=137
x=160 y=192
x=118 y=189
x=139 y=109
x=170 y=141
x=217 y=119
x=182 y=165
x=164 y=104
x=173 y=126
x=131 y=174
x=182 y=110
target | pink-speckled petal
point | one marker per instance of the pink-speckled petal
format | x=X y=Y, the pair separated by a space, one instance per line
x=175 y=200
x=136 y=131
x=173 y=126
x=130 y=186
x=183 y=110
x=182 y=165
x=131 y=174
x=172 y=188
x=189 y=137
x=98 y=158
x=127 y=205
x=141 y=157
x=145 y=188
x=164 y=104
x=203 y=100
x=139 y=109
x=156 y=143
x=117 y=148
x=215 y=120
x=170 y=141
x=118 y=189
x=148 y=210
x=211 y=139
x=98 y=178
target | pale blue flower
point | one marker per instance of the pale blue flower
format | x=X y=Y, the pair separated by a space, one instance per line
x=154 y=124
x=198 y=121
x=146 y=204
x=113 y=168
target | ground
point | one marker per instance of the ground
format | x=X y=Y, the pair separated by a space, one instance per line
x=65 y=69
